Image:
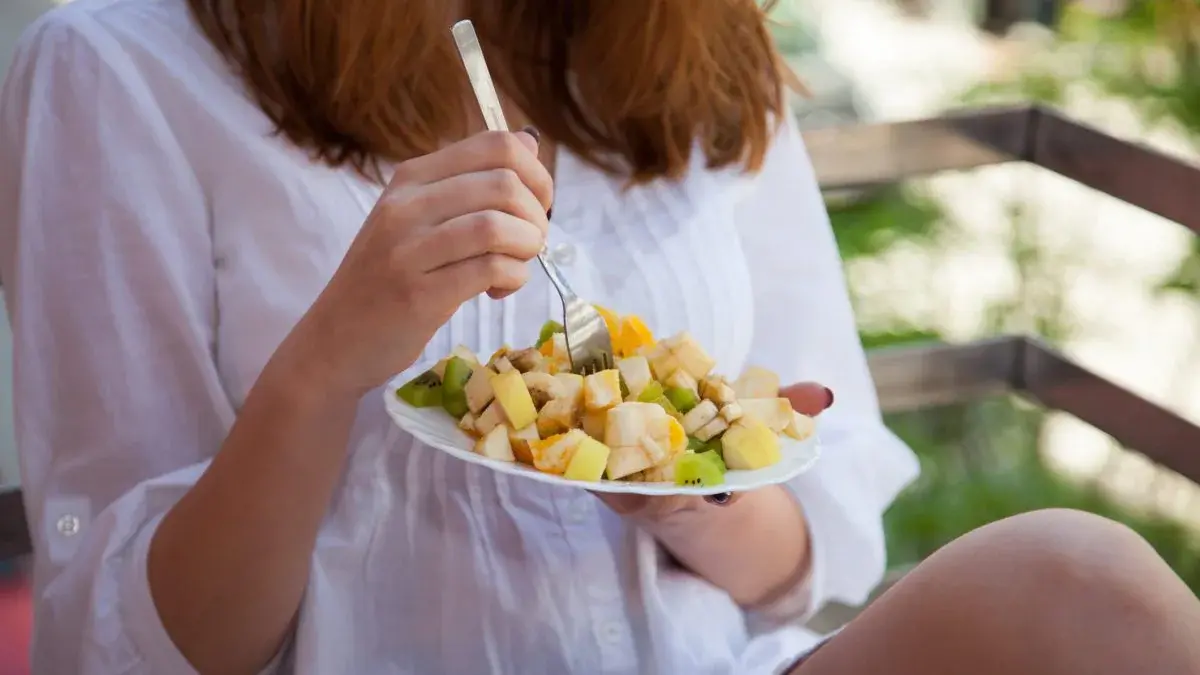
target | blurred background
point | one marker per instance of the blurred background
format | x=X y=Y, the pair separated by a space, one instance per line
x=1010 y=249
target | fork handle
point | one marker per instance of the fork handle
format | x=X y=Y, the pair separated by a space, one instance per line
x=557 y=278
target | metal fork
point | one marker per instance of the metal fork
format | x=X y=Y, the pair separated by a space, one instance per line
x=588 y=341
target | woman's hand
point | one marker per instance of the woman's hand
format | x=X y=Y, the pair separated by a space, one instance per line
x=449 y=226
x=806 y=397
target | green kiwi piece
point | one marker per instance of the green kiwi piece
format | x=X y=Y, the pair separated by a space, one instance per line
x=548 y=330
x=668 y=406
x=454 y=383
x=421 y=395
x=698 y=469
x=696 y=445
x=683 y=399
x=651 y=393
x=714 y=457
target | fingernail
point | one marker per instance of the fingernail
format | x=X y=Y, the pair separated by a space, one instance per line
x=828 y=398
x=532 y=131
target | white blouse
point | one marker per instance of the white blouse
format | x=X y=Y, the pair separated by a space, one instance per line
x=157 y=241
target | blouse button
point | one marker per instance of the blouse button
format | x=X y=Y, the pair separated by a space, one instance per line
x=563 y=254
x=67 y=525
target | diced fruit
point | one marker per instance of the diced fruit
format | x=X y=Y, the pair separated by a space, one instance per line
x=548 y=330
x=479 y=389
x=717 y=390
x=458 y=352
x=629 y=460
x=635 y=371
x=665 y=403
x=467 y=424
x=588 y=462
x=629 y=422
x=495 y=445
x=572 y=386
x=732 y=413
x=663 y=473
x=677 y=440
x=749 y=444
x=503 y=365
x=651 y=393
x=683 y=399
x=520 y=440
x=681 y=379
x=543 y=388
x=632 y=336
x=662 y=361
x=699 y=469
x=602 y=389
x=454 y=381
x=802 y=426
x=513 y=396
x=692 y=358
x=553 y=454
x=423 y=392
x=594 y=422
x=776 y=413
x=611 y=321
x=714 y=428
x=527 y=360
x=491 y=417
x=756 y=382
x=558 y=416
x=696 y=418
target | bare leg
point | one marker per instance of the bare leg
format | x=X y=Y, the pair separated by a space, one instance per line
x=1046 y=593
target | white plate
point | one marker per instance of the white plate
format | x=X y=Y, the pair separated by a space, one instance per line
x=434 y=427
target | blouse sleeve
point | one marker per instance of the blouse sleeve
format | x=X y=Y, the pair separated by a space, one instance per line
x=106 y=262
x=804 y=330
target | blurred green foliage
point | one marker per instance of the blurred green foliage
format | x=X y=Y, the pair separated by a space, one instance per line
x=981 y=461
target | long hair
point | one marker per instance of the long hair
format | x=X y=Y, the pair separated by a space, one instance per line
x=629 y=85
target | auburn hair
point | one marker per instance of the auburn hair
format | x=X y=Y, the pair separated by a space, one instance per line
x=629 y=85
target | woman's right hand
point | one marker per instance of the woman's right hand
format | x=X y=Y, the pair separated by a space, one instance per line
x=450 y=225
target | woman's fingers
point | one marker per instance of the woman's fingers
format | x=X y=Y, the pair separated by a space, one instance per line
x=491 y=190
x=477 y=234
x=488 y=151
x=808 y=398
x=493 y=272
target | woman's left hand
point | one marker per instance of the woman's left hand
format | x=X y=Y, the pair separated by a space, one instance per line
x=808 y=398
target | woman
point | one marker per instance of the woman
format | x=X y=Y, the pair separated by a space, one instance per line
x=227 y=222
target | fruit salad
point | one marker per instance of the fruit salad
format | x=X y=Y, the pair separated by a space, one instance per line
x=661 y=415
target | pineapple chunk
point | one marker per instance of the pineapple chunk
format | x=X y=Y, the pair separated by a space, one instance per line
x=702 y=414
x=635 y=370
x=491 y=417
x=479 y=389
x=682 y=379
x=691 y=357
x=513 y=397
x=757 y=382
x=776 y=413
x=588 y=462
x=553 y=454
x=802 y=426
x=495 y=445
x=602 y=390
x=520 y=440
x=572 y=386
x=749 y=444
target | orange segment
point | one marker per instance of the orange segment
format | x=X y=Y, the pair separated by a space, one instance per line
x=611 y=320
x=633 y=336
x=676 y=437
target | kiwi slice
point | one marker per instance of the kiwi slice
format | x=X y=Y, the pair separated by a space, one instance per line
x=651 y=393
x=694 y=469
x=548 y=330
x=696 y=445
x=714 y=457
x=683 y=399
x=454 y=383
x=668 y=406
